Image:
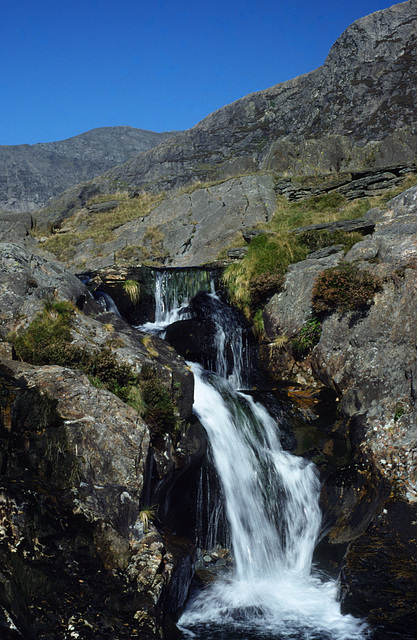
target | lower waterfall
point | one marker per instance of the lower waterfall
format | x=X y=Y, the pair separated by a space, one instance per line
x=272 y=507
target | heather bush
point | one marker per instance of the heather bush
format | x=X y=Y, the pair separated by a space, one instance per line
x=344 y=287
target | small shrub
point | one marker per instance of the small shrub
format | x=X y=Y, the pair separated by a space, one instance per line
x=258 y=323
x=308 y=337
x=344 y=287
x=46 y=340
x=399 y=411
x=159 y=412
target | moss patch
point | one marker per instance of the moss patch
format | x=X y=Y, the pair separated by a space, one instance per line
x=48 y=341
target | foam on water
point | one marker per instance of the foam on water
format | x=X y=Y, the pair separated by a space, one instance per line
x=272 y=507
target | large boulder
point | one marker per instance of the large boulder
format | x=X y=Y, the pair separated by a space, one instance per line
x=185 y=229
x=82 y=472
x=27 y=280
x=75 y=551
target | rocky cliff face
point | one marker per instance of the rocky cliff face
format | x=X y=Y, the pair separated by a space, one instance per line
x=357 y=110
x=32 y=174
x=80 y=471
x=368 y=356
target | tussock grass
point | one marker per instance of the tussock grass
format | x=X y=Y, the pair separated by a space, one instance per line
x=267 y=260
x=261 y=272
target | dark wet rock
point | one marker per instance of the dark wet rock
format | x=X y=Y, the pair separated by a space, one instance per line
x=194 y=339
x=378 y=576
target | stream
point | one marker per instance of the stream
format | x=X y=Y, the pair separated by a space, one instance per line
x=273 y=591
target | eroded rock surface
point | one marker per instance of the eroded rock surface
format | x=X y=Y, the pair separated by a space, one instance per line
x=73 y=551
x=188 y=229
x=369 y=358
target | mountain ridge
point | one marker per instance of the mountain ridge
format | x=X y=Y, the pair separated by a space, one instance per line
x=358 y=110
x=31 y=174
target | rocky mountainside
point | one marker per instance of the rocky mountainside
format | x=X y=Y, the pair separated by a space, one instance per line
x=31 y=174
x=356 y=111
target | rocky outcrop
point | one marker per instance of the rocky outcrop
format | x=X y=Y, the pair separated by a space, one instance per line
x=186 y=229
x=32 y=174
x=356 y=111
x=26 y=280
x=357 y=184
x=76 y=555
x=82 y=472
x=368 y=357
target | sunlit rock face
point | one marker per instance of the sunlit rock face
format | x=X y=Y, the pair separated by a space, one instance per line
x=355 y=111
x=368 y=357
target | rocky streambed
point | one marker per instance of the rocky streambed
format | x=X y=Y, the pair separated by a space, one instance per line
x=83 y=550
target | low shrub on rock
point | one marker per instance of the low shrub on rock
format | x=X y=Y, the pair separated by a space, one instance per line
x=343 y=288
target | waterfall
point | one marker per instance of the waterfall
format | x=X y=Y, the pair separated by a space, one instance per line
x=272 y=507
x=174 y=288
x=272 y=504
x=106 y=301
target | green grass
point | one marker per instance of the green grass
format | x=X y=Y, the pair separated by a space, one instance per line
x=100 y=226
x=265 y=263
x=261 y=272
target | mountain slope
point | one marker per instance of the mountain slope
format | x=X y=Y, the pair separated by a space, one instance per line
x=31 y=174
x=360 y=105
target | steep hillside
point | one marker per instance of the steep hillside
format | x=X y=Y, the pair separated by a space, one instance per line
x=31 y=174
x=356 y=111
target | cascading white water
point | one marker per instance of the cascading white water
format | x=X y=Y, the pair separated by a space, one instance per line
x=173 y=291
x=272 y=507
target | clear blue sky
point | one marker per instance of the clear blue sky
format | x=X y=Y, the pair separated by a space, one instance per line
x=68 y=66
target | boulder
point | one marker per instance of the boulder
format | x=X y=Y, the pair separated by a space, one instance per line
x=74 y=556
x=26 y=280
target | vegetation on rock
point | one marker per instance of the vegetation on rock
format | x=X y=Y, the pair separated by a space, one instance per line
x=308 y=337
x=48 y=341
x=261 y=271
x=101 y=226
x=344 y=288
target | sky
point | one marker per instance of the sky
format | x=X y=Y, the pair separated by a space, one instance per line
x=68 y=66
